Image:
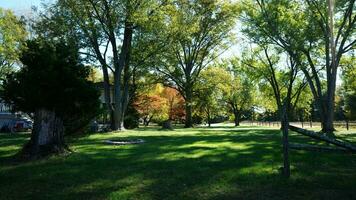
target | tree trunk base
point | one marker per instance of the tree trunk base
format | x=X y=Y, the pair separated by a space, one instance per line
x=47 y=136
x=42 y=151
x=167 y=125
x=122 y=129
x=329 y=132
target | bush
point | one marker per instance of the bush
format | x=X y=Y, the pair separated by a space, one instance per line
x=132 y=117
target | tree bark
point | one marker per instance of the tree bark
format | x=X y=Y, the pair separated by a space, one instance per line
x=328 y=124
x=121 y=63
x=331 y=74
x=148 y=120
x=167 y=125
x=47 y=135
x=188 y=106
x=107 y=95
x=347 y=124
x=285 y=124
x=208 y=117
x=237 y=118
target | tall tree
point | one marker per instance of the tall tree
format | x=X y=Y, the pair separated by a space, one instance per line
x=337 y=24
x=209 y=88
x=196 y=32
x=266 y=65
x=107 y=29
x=238 y=90
x=53 y=86
x=309 y=29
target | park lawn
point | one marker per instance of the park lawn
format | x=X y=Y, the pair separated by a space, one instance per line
x=197 y=163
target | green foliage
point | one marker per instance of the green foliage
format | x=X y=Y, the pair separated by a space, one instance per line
x=349 y=90
x=53 y=78
x=274 y=22
x=12 y=38
x=132 y=117
x=239 y=90
x=278 y=81
x=195 y=33
x=209 y=94
x=302 y=30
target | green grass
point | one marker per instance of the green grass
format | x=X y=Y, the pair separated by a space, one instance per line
x=199 y=163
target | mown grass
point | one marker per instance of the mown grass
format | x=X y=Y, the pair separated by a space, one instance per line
x=198 y=163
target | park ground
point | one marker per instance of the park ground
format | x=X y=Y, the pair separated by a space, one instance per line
x=199 y=163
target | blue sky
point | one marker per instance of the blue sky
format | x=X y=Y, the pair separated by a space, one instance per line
x=21 y=6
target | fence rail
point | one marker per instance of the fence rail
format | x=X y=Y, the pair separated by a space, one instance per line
x=337 y=124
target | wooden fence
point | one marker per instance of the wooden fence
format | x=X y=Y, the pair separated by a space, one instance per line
x=337 y=124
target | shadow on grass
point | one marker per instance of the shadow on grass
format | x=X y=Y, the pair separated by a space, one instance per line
x=209 y=164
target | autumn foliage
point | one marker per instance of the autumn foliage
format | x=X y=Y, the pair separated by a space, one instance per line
x=160 y=103
x=175 y=103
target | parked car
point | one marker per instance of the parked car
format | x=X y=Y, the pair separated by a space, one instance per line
x=23 y=124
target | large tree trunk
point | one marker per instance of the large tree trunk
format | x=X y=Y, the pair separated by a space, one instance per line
x=106 y=81
x=107 y=96
x=328 y=126
x=285 y=126
x=188 y=107
x=47 y=135
x=316 y=89
x=328 y=123
x=237 y=118
x=121 y=65
x=331 y=68
x=209 y=118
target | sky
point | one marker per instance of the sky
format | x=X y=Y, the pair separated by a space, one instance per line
x=18 y=4
x=21 y=7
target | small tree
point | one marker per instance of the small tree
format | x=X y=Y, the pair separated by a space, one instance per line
x=53 y=86
x=175 y=103
x=349 y=89
x=238 y=90
x=280 y=80
x=209 y=101
x=150 y=106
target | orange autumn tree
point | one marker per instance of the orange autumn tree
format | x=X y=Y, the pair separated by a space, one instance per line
x=160 y=103
x=151 y=105
x=175 y=102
